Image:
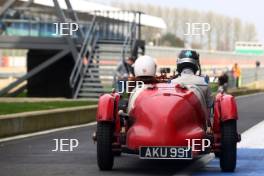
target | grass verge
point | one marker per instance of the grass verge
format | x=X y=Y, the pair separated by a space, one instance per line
x=17 y=107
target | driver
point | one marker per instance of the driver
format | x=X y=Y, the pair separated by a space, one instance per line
x=188 y=64
x=145 y=70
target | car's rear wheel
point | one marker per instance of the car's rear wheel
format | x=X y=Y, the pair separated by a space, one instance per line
x=228 y=155
x=217 y=154
x=105 y=156
x=117 y=153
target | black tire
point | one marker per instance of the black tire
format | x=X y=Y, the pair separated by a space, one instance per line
x=117 y=153
x=217 y=154
x=228 y=155
x=105 y=156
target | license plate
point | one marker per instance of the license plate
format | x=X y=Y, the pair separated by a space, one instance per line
x=165 y=152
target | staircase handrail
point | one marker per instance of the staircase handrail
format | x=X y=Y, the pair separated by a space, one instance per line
x=130 y=39
x=89 y=59
x=84 y=49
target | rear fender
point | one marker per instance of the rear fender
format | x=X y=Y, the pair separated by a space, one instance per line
x=225 y=108
x=228 y=108
x=106 y=108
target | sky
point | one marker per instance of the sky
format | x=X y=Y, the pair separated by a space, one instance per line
x=247 y=10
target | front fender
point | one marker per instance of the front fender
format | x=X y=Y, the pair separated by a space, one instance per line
x=228 y=108
x=106 y=108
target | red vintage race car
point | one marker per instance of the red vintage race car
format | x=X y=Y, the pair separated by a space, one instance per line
x=167 y=121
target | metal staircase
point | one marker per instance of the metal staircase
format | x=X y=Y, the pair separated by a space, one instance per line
x=104 y=39
x=22 y=27
x=94 y=76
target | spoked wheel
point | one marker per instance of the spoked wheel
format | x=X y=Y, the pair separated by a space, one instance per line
x=105 y=156
x=228 y=155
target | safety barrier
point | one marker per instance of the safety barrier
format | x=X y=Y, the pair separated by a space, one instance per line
x=28 y=122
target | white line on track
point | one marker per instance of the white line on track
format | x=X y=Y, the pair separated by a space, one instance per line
x=46 y=132
x=253 y=137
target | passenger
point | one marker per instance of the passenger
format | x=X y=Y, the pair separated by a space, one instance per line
x=145 y=71
x=188 y=64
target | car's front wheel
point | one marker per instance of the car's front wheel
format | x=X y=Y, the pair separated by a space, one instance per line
x=105 y=156
x=228 y=155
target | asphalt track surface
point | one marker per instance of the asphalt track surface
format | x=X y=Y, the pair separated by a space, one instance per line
x=33 y=156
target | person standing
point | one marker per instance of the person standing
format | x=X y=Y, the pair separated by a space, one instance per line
x=123 y=71
x=223 y=81
x=257 y=70
x=236 y=74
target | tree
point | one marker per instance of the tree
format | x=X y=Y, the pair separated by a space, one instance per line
x=219 y=31
x=225 y=31
x=170 y=39
x=237 y=25
x=209 y=18
x=249 y=32
x=195 y=45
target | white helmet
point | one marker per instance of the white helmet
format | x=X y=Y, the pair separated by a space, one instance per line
x=145 y=66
